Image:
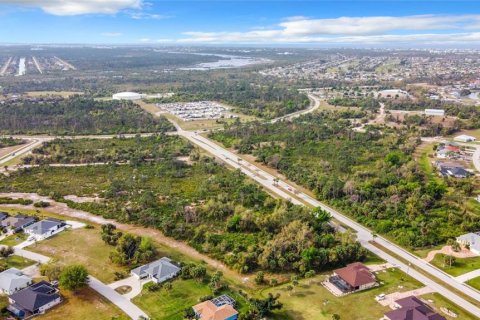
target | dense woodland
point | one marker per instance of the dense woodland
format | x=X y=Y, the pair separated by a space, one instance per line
x=77 y=115
x=371 y=176
x=216 y=210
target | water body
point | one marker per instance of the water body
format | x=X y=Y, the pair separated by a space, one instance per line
x=226 y=61
x=21 y=67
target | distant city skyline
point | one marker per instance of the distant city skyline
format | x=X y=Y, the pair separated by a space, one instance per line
x=277 y=23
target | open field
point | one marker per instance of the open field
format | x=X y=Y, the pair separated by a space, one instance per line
x=310 y=300
x=83 y=246
x=460 y=266
x=161 y=305
x=84 y=305
x=63 y=94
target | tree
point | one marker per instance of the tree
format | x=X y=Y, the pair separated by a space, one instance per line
x=73 y=277
x=260 y=308
x=51 y=270
x=260 y=277
x=335 y=316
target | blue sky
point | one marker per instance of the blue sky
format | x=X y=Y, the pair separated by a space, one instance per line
x=327 y=23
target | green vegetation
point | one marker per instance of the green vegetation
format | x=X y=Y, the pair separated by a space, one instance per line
x=78 y=115
x=10 y=142
x=459 y=265
x=438 y=301
x=215 y=210
x=310 y=300
x=15 y=262
x=73 y=277
x=134 y=150
x=372 y=176
x=14 y=239
x=475 y=282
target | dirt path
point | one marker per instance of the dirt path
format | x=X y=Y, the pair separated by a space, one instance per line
x=448 y=250
x=62 y=209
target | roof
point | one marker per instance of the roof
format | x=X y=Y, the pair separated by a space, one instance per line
x=413 y=308
x=18 y=221
x=207 y=310
x=464 y=137
x=473 y=238
x=43 y=226
x=356 y=274
x=3 y=215
x=35 y=296
x=13 y=279
x=158 y=269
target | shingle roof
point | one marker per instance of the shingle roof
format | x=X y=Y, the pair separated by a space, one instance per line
x=158 y=269
x=35 y=296
x=13 y=279
x=356 y=274
x=43 y=226
x=413 y=308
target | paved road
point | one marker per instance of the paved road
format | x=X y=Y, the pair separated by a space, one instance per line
x=120 y=301
x=364 y=235
x=313 y=106
x=32 y=144
x=469 y=276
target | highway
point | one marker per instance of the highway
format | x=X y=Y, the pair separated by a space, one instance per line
x=364 y=235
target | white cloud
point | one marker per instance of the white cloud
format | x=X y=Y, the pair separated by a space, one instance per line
x=143 y=15
x=111 y=34
x=380 y=29
x=77 y=7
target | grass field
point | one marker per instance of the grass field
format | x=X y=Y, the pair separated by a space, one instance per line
x=83 y=246
x=14 y=239
x=310 y=300
x=475 y=282
x=161 y=305
x=460 y=267
x=17 y=262
x=63 y=94
x=84 y=305
x=438 y=301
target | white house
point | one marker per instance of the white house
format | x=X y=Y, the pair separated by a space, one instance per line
x=45 y=228
x=12 y=280
x=158 y=271
x=464 y=138
x=35 y=299
x=472 y=240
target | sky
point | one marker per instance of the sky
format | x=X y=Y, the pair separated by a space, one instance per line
x=338 y=23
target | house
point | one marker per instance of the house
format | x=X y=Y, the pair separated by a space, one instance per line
x=470 y=240
x=464 y=138
x=12 y=280
x=36 y=299
x=45 y=228
x=220 y=308
x=354 y=277
x=412 y=308
x=452 y=170
x=17 y=223
x=158 y=271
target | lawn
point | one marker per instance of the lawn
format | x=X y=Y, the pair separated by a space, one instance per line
x=475 y=282
x=86 y=304
x=17 y=262
x=170 y=306
x=460 y=266
x=310 y=300
x=83 y=246
x=14 y=239
x=437 y=301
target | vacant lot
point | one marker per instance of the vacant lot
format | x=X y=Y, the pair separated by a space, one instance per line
x=83 y=246
x=85 y=305
x=310 y=300
x=460 y=266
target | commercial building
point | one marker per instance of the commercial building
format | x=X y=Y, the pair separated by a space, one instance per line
x=128 y=96
x=464 y=138
x=435 y=112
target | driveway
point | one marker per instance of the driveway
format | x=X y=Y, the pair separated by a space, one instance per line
x=31 y=255
x=120 y=301
x=132 y=282
x=392 y=297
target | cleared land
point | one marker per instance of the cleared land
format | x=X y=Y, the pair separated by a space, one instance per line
x=84 y=305
x=64 y=94
x=461 y=266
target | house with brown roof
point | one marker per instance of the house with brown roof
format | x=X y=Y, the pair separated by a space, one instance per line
x=354 y=277
x=412 y=308
x=220 y=308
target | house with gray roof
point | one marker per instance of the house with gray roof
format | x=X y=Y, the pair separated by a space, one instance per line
x=159 y=271
x=35 y=299
x=12 y=280
x=17 y=223
x=470 y=240
x=45 y=228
